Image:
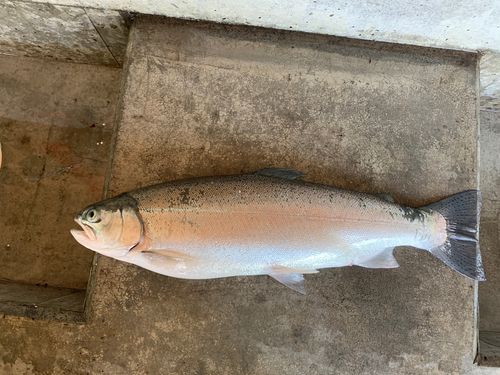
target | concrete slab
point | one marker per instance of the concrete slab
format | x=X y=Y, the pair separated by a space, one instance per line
x=42 y=302
x=207 y=99
x=52 y=164
x=40 y=205
x=63 y=33
x=113 y=28
x=54 y=93
x=489 y=292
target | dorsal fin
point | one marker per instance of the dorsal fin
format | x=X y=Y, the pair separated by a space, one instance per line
x=385 y=197
x=286 y=173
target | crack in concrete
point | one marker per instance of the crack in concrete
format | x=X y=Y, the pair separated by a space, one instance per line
x=35 y=197
x=100 y=36
x=58 y=298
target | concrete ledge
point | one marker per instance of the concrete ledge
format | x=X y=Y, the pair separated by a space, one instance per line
x=489 y=349
x=64 y=33
x=42 y=302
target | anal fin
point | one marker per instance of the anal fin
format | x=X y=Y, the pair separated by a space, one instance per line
x=291 y=276
x=384 y=259
x=284 y=269
x=294 y=281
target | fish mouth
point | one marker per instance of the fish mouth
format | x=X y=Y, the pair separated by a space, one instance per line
x=88 y=232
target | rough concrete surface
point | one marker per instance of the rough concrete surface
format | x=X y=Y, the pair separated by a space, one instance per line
x=489 y=291
x=202 y=100
x=64 y=33
x=42 y=302
x=55 y=151
x=53 y=93
x=490 y=81
x=113 y=28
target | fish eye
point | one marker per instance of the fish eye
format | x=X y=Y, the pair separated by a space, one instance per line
x=92 y=216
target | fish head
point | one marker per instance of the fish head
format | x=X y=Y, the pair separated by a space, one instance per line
x=111 y=227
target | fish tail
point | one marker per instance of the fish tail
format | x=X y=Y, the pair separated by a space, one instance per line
x=461 y=251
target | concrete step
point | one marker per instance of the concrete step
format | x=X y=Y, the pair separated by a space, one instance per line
x=201 y=99
x=489 y=291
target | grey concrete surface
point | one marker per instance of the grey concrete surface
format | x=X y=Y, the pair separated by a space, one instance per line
x=113 y=28
x=54 y=93
x=42 y=302
x=201 y=100
x=489 y=291
x=64 y=33
x=55 y=151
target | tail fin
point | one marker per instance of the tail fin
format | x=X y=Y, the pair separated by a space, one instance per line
x=461 y=249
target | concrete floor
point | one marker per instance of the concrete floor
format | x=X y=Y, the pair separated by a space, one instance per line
x=55 y=151
x=201 y=100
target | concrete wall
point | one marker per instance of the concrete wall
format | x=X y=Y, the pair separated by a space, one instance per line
x=63 y=33
x=462 y=24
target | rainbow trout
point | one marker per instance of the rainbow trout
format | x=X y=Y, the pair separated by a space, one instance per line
x=268 y=222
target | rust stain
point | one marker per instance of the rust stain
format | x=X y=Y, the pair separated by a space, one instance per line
x=58 y=147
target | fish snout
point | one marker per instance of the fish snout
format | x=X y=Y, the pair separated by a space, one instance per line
x=86 y=235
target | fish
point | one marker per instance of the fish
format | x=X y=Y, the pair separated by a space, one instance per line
x=270 y=222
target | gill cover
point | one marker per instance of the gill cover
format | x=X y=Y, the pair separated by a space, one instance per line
x=111 y=227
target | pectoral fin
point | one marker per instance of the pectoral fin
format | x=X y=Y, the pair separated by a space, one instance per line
x=170 y=253
x=291 y=277
x=384 y=259
x=160 y=261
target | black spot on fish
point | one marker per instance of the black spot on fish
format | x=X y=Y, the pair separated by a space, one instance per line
x=361 y=202
x=332 y=197
x=185 y=196
x=412 y=214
